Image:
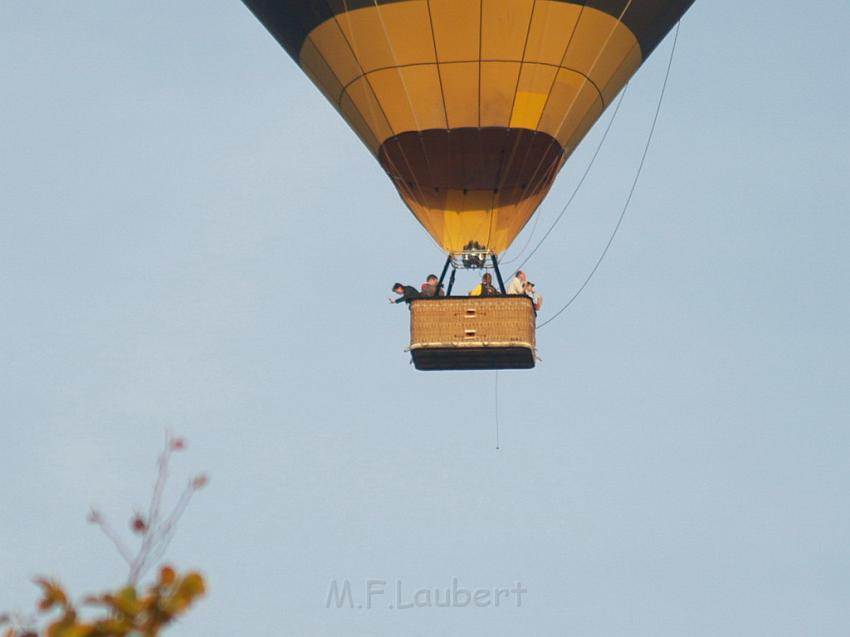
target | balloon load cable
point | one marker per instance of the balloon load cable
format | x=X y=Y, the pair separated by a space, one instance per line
x=631 y=192
x=571 y=197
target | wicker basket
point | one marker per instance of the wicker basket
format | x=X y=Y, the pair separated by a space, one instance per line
x=472 y=333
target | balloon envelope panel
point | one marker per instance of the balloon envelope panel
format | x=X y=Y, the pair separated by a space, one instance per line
x=470 y=106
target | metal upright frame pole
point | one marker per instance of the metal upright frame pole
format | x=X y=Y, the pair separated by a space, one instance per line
x=443 y=276
x=498 y=273
x=451 y=282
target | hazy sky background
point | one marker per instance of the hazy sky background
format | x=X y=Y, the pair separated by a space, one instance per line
x=191 y=239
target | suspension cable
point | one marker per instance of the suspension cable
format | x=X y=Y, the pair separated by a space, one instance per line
x=577 y=188
x=631 y=191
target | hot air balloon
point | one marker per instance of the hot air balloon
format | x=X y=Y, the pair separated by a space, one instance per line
x=471 y=107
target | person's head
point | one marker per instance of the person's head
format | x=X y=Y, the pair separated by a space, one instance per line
x=398 y=288
x=487 y=279
x=520 y=275
x=432 y=279
x=529 y=286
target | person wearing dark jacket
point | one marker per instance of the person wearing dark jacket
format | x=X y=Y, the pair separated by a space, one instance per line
x=406 y=293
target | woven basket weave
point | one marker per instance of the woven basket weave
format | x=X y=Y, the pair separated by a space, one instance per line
x=472 y=332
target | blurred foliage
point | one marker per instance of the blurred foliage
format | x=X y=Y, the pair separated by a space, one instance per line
x=127 y=612
x=130 y=611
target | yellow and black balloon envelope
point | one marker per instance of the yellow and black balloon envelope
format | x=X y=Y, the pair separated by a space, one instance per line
x=470 y=106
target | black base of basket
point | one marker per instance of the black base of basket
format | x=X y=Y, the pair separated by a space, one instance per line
x=442 y=359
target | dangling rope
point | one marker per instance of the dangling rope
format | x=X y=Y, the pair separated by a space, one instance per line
x=497 y=409
x=631 y=192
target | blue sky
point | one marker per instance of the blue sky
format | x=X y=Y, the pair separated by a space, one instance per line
x=192 y=240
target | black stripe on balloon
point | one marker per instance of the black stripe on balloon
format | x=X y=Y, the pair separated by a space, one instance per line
x=648 y=20
x=291 y=21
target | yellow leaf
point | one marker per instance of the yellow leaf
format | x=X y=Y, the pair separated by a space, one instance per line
x=167 y=576
x=52 y=594
x=77 y=630
x=112 y=626
x=191 y=586
x=126 y=601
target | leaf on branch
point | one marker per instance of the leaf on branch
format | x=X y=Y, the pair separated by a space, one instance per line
x=138 y=524
x=187 y=590
x=126 y=601
x=62 y=625
x=112 y=626
x=200 y=481
x=167 y=576
x=190 y=587
x=77 y=630
x=53 y=595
